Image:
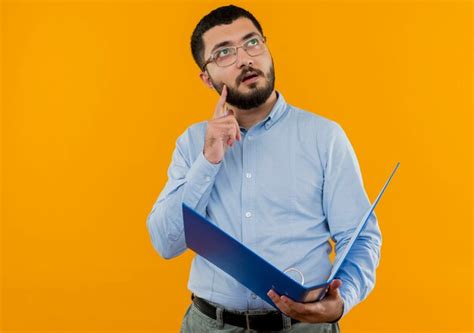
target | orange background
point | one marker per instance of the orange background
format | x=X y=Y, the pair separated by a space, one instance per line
x=94 y=95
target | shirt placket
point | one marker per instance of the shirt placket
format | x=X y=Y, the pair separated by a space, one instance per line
x=249 y=212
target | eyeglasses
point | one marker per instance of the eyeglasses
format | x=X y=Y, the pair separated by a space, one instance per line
x=227 y=56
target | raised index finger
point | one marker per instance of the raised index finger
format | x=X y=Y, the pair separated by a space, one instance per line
x=220 y=111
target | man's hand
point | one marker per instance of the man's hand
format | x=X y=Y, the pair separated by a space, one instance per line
x=329 y=309
x=221 y=131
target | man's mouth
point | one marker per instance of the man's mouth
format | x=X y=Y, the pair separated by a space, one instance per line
x=250 y=77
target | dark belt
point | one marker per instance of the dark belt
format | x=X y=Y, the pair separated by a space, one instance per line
x=272 y=321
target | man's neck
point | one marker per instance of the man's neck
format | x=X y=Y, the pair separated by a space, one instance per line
x=248 y=118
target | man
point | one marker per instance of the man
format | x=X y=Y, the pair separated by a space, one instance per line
x=280 y=179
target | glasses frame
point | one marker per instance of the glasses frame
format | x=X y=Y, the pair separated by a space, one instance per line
x=262 y=39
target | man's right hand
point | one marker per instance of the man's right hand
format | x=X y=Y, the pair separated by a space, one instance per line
x=222 y=131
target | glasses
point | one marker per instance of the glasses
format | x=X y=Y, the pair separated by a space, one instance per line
x=227 y=56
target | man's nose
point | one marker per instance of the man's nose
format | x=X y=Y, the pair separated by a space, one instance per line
x=243 y=58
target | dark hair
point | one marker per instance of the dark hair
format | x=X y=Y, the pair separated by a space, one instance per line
x=221 y=15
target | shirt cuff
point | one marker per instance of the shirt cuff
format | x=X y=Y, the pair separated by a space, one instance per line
x=200 y=178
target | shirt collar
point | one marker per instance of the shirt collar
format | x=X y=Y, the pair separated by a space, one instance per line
x=277 y=111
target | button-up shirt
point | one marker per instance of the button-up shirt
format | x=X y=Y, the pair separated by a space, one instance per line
x=290 y=185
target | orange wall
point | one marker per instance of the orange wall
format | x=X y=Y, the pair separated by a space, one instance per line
x=95 y=94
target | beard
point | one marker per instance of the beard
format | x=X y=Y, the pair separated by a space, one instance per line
x=255 y=97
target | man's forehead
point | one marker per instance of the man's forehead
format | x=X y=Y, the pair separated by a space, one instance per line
x=232 y=32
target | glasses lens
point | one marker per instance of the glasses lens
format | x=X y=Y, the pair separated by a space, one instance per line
x=255 y=50
x=225 y=61
x=225 y=57
x=255 y=47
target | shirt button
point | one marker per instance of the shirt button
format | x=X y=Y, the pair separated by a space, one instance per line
x=250 y=137
x=248 y=175
x=208 y=178
x=254 y=296
x=248 y=214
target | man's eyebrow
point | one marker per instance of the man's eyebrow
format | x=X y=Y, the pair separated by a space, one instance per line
x=225 y=43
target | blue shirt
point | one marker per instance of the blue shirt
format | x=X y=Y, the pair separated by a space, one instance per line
x=292 y=183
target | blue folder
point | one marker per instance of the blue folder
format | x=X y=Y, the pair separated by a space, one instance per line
x=257 y=274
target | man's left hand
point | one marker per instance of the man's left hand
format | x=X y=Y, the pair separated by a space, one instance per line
x=329 y=309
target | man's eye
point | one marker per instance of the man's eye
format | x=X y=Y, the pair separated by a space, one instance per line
x=223 y=53
x=253 y=42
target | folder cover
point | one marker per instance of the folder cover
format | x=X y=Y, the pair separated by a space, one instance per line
x=257 y=274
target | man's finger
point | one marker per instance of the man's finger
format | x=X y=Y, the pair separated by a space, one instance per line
x=300 y=308
x=220 y=110
x=231 y=112
x=237 y=128
x=333 y=291
x=278 y=302
x=232 y=136
x=335 y=284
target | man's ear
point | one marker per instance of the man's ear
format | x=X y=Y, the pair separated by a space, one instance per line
x=205 y=78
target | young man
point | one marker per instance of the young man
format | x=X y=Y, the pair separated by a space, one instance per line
x=280 y=179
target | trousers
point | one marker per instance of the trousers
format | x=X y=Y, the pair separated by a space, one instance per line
x=195 y=321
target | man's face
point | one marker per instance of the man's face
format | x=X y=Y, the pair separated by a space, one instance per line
x=241 y=94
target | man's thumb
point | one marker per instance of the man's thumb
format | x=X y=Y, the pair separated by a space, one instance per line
x=229 y=111
x=335 y=284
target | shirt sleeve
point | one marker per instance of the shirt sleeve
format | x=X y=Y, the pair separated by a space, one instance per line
x=344 y=203
x=188 y=181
